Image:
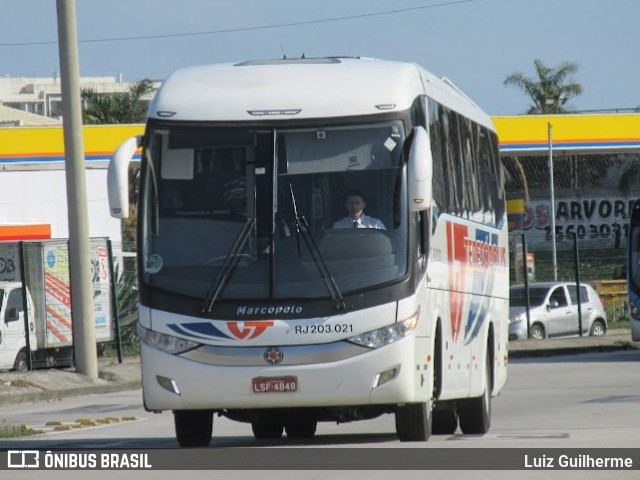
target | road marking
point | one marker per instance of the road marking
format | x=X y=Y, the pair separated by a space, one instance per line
x=62 y=426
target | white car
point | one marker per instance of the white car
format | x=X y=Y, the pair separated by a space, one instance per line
x=554 y=311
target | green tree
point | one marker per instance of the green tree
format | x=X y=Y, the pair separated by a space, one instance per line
x=550 y=89
x=112 y=108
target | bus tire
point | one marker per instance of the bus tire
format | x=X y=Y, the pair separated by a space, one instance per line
x=193 y=427
x=301 y=428
x=475 y=413
x=20 y=364
x=445 y=421
x=413 y=422
x=266 y=428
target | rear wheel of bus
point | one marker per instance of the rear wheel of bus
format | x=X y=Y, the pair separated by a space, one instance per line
x=445 y=419
x=193 y=427
x=475 y=413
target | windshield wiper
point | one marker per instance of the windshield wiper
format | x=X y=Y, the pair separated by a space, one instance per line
x=227 y=267
x=302 y=230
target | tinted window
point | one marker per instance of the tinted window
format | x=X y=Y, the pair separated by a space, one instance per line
x=537 y=296
x=584 y=294
x=468 y=175
x=559 y=296
x=14 y=301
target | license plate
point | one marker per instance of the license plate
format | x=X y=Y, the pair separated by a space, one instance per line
x=275 y=384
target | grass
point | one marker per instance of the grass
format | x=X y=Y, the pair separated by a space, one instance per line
x=618 y=324
x=13 y=431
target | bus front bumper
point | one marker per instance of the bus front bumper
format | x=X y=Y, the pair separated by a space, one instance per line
x=387 y=375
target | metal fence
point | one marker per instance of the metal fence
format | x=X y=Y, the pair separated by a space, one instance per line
x=598 y=259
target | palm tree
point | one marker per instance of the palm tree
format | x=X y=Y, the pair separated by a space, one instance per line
x=550 y=90
x=112 y=108
x=129 y=107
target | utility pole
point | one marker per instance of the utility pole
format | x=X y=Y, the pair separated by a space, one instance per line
x=84 y=334
x=553 y=205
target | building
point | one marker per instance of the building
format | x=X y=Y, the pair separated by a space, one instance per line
x=10 y=117
x=33 y=194
x=596 y=179
x=42 y=95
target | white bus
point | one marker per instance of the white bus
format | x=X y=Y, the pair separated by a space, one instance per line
x=255 y=306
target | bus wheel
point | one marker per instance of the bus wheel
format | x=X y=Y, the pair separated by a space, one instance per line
x=301 y=428
x=20 y=364
x=475 y=413
x=413 y=422
x=445 y=421
x=266 y=428
x=193 y=427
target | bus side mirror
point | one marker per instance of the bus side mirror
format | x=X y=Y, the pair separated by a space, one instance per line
x=118 y=177
x=420 y=165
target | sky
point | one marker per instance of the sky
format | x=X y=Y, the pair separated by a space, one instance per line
x=475 y=43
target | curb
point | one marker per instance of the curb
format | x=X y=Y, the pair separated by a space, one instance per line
x=555 y=352
x=49 y=395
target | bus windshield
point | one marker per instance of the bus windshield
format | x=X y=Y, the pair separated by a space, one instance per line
x=254 y=213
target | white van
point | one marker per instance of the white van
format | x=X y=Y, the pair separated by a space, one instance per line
x=13 y=344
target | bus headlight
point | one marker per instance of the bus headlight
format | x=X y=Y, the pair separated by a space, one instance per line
x=634 y=309
x=166 y=343
x=387 y=335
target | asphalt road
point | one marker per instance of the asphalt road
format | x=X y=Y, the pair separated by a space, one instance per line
x=553 y=402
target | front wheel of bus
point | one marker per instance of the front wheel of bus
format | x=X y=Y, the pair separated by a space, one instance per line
x=413 y=422
x=193 y=427
x=474 y=414
x=301 y=428
x=266 y=428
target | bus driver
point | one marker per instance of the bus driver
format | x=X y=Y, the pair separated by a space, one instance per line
x=355 y=203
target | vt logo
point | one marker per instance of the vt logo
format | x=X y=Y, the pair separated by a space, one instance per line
x=248 y=330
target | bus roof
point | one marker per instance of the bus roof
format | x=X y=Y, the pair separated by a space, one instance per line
x=302 y=89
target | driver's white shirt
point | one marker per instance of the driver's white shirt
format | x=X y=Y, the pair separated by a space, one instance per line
x=365 y=221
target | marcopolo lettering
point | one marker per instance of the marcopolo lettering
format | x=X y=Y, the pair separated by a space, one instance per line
x=269 y=310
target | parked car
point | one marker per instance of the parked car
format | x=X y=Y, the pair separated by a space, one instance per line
x=554 y=310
